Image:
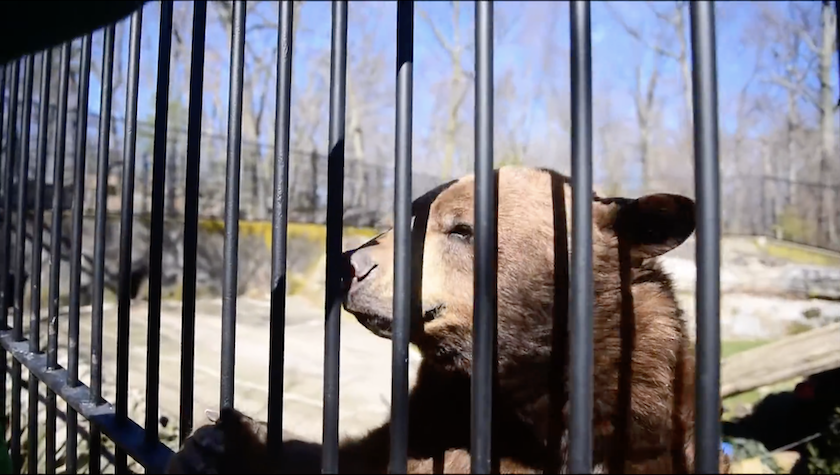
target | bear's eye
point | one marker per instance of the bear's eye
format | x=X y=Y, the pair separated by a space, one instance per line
x=462 y=232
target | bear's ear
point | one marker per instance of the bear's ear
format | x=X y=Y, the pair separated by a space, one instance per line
x=653 y=224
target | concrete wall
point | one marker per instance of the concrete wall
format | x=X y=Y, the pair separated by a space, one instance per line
x=305 y=250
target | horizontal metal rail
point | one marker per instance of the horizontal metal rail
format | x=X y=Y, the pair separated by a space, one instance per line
x=126 y=434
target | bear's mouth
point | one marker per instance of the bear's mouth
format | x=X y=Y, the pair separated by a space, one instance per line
x=382 y=326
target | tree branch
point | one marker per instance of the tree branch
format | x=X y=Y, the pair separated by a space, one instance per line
x=672 y=20
x=797 y=88
x=809 y=41
x=637 y=35
x=439 y=36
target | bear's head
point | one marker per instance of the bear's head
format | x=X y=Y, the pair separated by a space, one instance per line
x=534 y=223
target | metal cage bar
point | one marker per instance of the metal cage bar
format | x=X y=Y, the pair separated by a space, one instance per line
x=707 y=184
x=156 y=228
x=486 y=246
x=581 y=290
x=130 y=439
x=199 y=33
x=403 y=303
x=100 y=222
x=8 y=182
x=55 y=247
x=20 y=256
x=79 y=163
x=4 y=160
x=3 y=73
x=335 y=219
x=22 y=182
x=279 y=226
x=5 y=209
x=37 y=244
x=126 y=229
x=8 y=175
x=231 y=246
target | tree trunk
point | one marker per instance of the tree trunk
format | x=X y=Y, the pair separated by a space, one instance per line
x=828 y=216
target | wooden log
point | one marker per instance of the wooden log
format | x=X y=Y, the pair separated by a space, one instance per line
x=795 y=356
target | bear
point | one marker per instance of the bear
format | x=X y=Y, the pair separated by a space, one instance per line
x=643 y=398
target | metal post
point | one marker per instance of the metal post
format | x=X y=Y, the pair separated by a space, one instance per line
x=126 y=229
x=55 y=247
x=707 y=184
x=191 y=217
x=486 y=246
x=76 y=246
x=37 y=253
x=279 y=224
x=335 y=219
x=99 y=238
x=402 y=238
x=231 y=249
x=582 y=293
x=156 y=228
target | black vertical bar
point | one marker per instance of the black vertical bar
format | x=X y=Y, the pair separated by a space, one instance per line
x=156 y=228
x=55 y=246
x=3 y=175
x=191 y=217
x=582 y=290
x=99 y=237
x=707 y=186
x=37 y=244
x=8 y=176
x=8 y=184
x=6 y=171
x=335 y=218
x=3 y=71
x=279 y=222
x=76 y=247
x=486 y=245
x=20 y=256
x=231 y=249
x=126 y=222
x=23 y=179
x=402 y=238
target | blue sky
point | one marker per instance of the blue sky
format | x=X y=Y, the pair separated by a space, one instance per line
x=614 y=52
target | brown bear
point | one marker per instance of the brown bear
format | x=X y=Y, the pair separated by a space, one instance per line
x=643 y=420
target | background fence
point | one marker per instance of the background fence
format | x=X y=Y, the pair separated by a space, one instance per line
x=795 y=210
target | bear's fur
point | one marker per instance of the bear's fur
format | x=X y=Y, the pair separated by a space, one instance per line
x=643 y=411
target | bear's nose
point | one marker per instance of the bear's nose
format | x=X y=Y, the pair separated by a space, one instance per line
x=357 y=265
x=362 y=264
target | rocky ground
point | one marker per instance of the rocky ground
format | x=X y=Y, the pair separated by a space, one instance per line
x=365 y=384
x=762 y=296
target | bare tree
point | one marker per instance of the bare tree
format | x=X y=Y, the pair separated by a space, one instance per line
x=256 y=92
x=459 y=83
x=644 y=99
x=804 y=50
x=673 y=17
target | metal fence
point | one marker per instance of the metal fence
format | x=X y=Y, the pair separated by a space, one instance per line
x=112 y=420
x=794 y=210
x=367 y=199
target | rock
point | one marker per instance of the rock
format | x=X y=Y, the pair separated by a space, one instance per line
x=786 y=460
x=750 y=465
